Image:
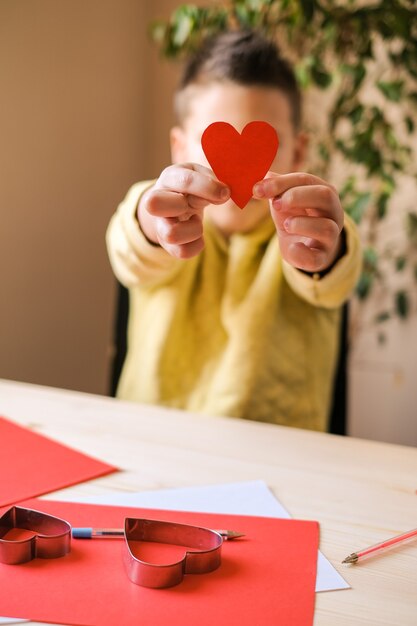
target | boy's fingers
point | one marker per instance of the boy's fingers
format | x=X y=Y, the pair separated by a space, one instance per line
x=276 y=185
x=172 y=231
x=195 y=203
x=315 y=200
x=186 y=251
x=195 y=180
x=306 y=258
x=162 y=203
x=320 y=229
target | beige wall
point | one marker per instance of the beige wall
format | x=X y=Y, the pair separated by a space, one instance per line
x=80 y=100
x=383 y=378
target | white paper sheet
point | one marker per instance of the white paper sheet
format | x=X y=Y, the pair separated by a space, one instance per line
x=245 y=498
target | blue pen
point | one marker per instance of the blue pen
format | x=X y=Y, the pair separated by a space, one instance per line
x=91 y=533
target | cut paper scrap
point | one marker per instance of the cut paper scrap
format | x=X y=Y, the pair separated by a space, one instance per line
x=240 y=160
x=266 y=578
x=32 y=464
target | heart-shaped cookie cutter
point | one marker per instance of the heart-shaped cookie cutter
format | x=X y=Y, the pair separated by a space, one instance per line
x=206 y=557
x=51 y=538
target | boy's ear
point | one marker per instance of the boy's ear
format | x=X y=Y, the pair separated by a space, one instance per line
x=178 y=144
x=300 y=152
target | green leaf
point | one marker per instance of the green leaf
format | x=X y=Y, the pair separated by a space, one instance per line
x=392 y=90
x=409 y=124
x=242 y=14
x=370 y=257
x=255 y=5
x=382 y=317
x=358 y=207
x=390 y=138
x=402 y=305
x=183 y=28
x=158 y=30
x=359 y=74
x=348 y=186
x=368 y=51
x=303 y=75
x=308 y=7
x=381 y=205
x=321 y=78
x=400 y=21
x=411 y=225
x=400 y=263
x=324 y=152
x=356 y=114
x=249 y=12
x=364 y=285
x=389 y=184
x=364 y=149
x=382 y=338
x=396 y=165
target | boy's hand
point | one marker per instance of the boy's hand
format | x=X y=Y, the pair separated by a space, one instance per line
x=170 y=213
x=308 y=217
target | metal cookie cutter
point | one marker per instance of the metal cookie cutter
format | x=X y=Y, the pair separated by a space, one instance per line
x=51 y=538
x=203 y=554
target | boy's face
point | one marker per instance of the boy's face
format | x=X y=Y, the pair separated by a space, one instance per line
x=238 y=105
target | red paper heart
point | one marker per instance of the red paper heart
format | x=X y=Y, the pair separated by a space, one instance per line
x=240 y=161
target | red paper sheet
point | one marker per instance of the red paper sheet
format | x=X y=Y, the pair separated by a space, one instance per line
x=267 y=578
x=32 y=464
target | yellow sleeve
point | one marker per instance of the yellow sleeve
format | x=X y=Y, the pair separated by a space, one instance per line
x=136 y=261
x=333 y=289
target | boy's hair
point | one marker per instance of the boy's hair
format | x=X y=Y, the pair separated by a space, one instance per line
x=243 y=57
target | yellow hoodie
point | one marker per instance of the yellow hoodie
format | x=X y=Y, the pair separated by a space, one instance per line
x=234 y=331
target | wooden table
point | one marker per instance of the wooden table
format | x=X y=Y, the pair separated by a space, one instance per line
x=360 y=491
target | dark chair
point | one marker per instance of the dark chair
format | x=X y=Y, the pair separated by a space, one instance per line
x=337 y=424
x=119 y=336
x=338 y=411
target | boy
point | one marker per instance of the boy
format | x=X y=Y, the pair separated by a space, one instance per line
x=235 y=312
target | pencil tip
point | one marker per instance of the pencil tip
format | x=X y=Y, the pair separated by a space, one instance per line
x=352 y=558
x=233 y=534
